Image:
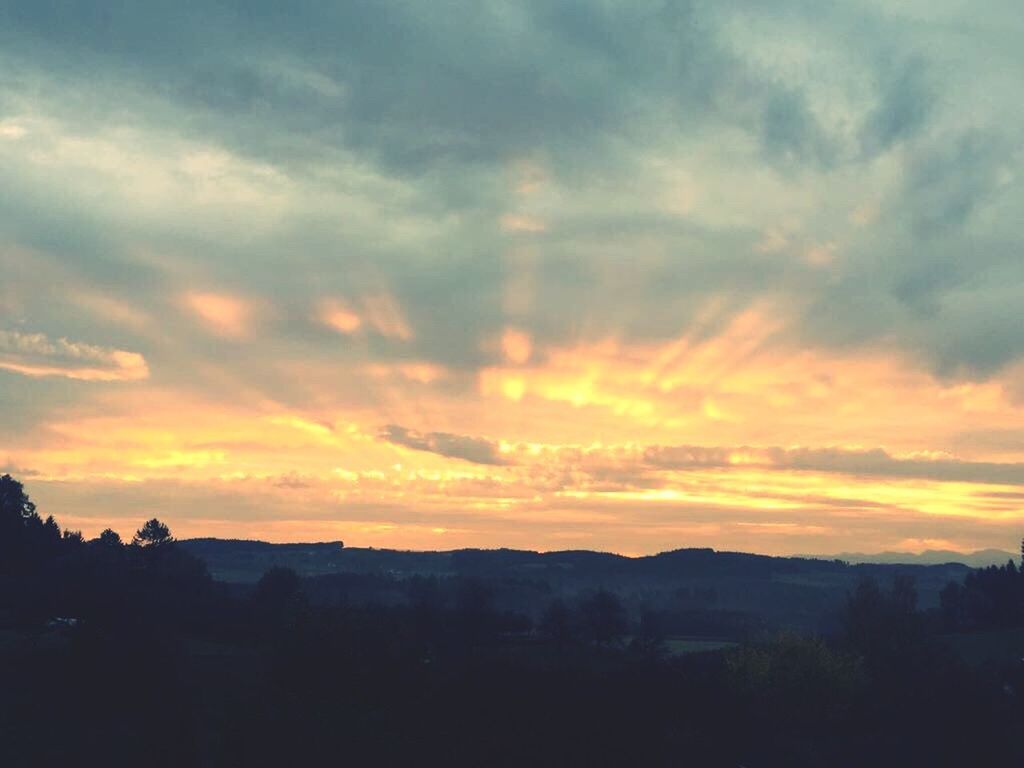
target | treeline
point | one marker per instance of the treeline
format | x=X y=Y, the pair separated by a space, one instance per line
x=989 y=598
x=129 y=654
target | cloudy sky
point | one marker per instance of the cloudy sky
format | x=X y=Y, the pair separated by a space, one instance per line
x=535 y=273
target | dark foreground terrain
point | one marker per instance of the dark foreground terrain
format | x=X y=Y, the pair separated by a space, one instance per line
x=133 y=654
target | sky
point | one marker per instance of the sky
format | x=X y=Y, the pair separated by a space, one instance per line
x=547 y=274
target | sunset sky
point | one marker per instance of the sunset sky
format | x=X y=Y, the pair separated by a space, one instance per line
x=628 y=276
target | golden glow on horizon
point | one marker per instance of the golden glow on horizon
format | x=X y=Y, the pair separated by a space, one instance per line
x=585 y=322
x=570 y=432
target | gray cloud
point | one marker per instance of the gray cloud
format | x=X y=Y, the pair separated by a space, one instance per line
x=790 y=132
x=877 y=463
x=475 y=83
x=907 y=100
x=473 y=449
x=393 y=130
x=949 y=180
x=9 y=468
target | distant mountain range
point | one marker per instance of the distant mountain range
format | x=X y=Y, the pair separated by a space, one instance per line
x=980 y=559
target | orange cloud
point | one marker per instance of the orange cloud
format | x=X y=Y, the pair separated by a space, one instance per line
x=380 y=312
x=222 y=314
x=339 y=316
x=516 y=346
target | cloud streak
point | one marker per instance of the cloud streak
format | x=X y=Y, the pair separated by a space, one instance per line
x=33 y=354
x=476 y=450
x=865 y=463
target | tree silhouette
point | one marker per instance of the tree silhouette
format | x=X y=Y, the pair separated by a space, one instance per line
x=989 y=598
x=557 y=624
x=152 y=534
x=25 y=538
x=884 y=626
x=14 y=502
x=20 y=527
x=73 y=538
x=110 y=538
x=604 y=618
x=650 y=636
x=277 y=588
x=474 y=610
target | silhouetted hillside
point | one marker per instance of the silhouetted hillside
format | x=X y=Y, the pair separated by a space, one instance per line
x=702 y=584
